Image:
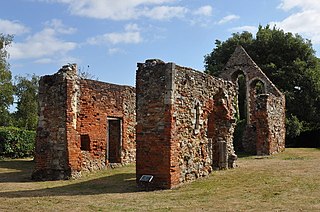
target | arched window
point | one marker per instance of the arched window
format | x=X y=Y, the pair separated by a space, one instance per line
x=239 y=78
x=257 y=87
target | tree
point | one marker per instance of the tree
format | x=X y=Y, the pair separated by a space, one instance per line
x=6 y=87
x=26 y=93
x=216 y=60
x=290 y=63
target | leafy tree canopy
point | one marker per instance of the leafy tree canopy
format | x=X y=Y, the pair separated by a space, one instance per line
x=6 y=87
x=290 y=63
x=26 y=91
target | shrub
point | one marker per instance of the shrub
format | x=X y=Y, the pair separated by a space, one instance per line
x=16 y=143
x=293 y=129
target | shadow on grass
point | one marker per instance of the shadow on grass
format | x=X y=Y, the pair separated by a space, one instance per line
x=241 y=154
x=18 y=170
x=118 y=183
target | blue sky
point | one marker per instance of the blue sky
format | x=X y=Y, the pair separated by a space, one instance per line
x=108 y=37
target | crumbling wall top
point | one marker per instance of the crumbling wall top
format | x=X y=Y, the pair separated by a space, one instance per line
x=69 y=71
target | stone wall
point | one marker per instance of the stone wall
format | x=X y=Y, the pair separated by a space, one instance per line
x=265 y=129
x=177 y=124
x=185 y=123
x=51 y=155
x=269 y=118
x=73 y=130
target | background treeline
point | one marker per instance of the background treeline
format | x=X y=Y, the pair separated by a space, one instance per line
x=291 y=64
x=287 y=59
x=18 y=108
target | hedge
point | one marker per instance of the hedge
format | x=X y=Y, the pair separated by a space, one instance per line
x=16 y=143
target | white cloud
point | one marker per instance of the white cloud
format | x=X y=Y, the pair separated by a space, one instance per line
x=287 y=5
x=201 y=16
x=228 y=18
x=131 y=9
x=305 y=20
x=42 y=45
x=116 y=38
x=203 y=11
x=68 y=59
x=59 y=27
x=12 y=27
x=132 y=27
x=44 y=61
x=122 y=9
x=113 y=51
x=165 y=12
x=131 y=35
x=252 y=29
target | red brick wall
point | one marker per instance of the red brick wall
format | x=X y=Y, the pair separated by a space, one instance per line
x=154 y=124
x=99 y=101
x=71 y=109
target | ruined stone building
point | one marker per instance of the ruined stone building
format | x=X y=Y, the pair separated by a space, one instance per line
x=83 y=125
x=265 y=128
x=177 y=124
x=185 y=123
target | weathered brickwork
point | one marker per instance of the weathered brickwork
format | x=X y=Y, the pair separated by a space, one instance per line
x=51 y=147
x=100 y=105
x=185 y=123
x=265 y=130
x=76 y=118
x=177 y=124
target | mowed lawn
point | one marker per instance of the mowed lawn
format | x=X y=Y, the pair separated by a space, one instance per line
x=289 y=181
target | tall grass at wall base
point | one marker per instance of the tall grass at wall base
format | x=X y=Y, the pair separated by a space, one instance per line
x=16 y=142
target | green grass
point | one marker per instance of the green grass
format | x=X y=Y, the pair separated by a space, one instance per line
x=284 y=182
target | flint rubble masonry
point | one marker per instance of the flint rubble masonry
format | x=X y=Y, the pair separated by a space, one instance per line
x=185 y=123
x=265 y=129
x=177 y=124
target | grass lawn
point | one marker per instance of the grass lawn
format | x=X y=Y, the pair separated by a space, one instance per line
x=289 y=181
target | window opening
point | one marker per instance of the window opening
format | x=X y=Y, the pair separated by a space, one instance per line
x=197 y=123
x=259 y=87
x=85 y=142
x=242 y=114
x=242 y=97
x=210 y=125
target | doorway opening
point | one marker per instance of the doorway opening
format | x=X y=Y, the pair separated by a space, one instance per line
x=114 y=140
